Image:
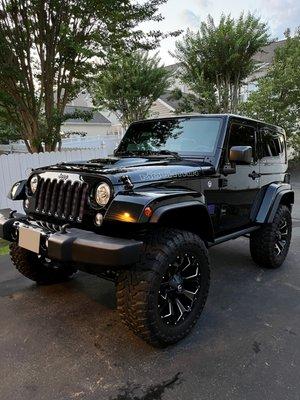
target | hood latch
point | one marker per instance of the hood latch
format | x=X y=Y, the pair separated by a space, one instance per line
x=128 y=185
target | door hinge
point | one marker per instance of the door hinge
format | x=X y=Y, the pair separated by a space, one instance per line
x=254 y=175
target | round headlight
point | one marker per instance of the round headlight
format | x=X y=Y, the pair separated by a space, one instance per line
x=34 y=183
x=102 y=194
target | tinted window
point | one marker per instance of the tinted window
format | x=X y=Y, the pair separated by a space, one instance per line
x=242 y=135
x=186 y=136
x=272 y=143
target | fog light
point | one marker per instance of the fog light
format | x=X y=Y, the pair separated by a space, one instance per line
x=99 y=219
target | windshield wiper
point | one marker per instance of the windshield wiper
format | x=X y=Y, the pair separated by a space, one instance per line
x=125 y=153
x=147 y=153
x=168 y=153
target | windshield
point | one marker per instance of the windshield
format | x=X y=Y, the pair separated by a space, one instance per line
x=185 y=136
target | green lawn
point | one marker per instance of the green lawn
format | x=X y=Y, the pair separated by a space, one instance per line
x=4 y=249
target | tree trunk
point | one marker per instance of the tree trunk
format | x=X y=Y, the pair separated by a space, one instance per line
x=235 y=94
x=54 y=145
x=33 y=146
x=36 y=149
x=48 y=147
x=27 y=144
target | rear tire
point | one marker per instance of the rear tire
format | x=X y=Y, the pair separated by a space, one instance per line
x=37 y=268
x=161 y=298
x=269 y=245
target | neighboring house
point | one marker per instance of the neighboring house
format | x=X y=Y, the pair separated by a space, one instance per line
x=265 y=57
x=177 y=83
x=99 y=125
x=164 y=106
x=106 y=122
x=103 y=123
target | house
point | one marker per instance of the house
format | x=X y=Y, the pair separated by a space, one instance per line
x=98 y=125
x=265 y=58
x=101 y=124
x=164 y=106
x=107 y=123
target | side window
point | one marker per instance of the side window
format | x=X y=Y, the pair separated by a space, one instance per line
x=272 y=143
x=242 y=135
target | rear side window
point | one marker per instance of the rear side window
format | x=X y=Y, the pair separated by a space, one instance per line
x=242 y=135
x=272 y=143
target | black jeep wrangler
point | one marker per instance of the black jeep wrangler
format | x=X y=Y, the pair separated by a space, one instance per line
x=146 y=217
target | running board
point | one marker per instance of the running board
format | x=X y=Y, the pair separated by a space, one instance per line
x=233 y=236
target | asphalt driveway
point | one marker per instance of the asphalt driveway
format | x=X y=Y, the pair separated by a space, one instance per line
x=66 y=341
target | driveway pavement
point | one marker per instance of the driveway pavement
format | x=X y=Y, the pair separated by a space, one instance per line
x=66 y=341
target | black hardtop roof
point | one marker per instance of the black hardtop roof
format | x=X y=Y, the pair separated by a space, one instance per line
x=224 y=116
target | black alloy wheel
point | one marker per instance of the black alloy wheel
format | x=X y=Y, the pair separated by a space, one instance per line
x=178 y=289
x=162 y=297
x=270 y=244
x=282 y=236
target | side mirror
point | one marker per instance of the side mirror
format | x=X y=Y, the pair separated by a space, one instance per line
x=241 y=154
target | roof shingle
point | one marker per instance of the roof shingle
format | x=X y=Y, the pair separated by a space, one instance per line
x=98 y=118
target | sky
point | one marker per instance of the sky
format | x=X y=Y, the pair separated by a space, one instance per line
x=184 y=14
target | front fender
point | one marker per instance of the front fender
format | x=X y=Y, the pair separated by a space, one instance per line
x=129 y=207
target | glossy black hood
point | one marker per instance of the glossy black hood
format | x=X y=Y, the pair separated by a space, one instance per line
x=139 y=169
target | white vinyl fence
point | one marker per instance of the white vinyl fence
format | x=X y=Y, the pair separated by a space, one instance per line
x=78 y=142
x=90 y=142
x=14 y=167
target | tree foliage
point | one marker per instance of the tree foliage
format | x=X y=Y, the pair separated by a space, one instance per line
x=217 y=59
x=277 y=98
x=48 y=48
x=130 y=84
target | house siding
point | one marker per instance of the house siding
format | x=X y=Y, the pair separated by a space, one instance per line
x=160 y=109
x=91 y=130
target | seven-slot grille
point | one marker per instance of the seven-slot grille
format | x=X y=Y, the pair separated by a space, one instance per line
x=60 y=199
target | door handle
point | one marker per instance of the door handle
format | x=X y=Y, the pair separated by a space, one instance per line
x=254 y=175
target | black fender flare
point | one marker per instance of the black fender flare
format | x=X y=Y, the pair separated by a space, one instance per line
x=194 y=209
x=276 y=194
x=133 y=204
x=181 y=207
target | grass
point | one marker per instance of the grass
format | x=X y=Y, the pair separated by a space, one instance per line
x=4 y=247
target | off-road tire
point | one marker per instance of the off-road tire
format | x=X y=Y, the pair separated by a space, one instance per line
x=32 y=267
x=138 y=287
x=263 y=241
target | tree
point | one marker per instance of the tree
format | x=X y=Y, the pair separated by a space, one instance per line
x=8 y=128
x=277 y=98
x=130 y=84
x=48 y=48
x=216 y=60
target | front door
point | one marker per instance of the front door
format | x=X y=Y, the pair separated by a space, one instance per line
x=240 y=189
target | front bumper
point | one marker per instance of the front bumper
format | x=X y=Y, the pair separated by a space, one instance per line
x=74 y=245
